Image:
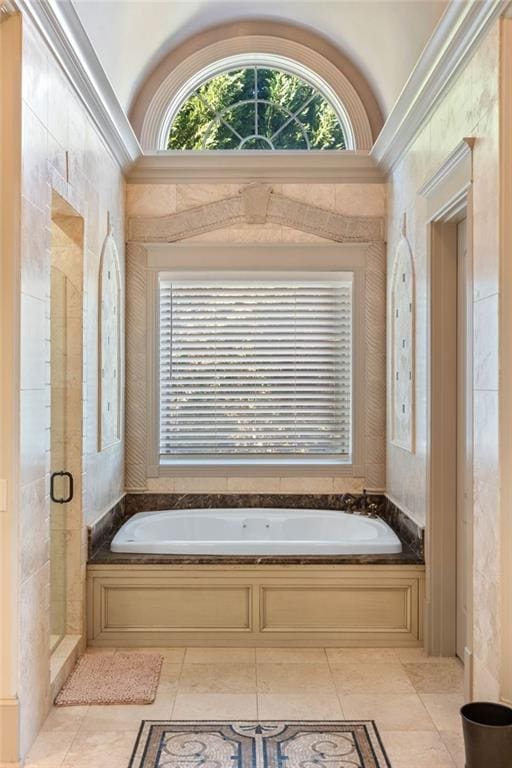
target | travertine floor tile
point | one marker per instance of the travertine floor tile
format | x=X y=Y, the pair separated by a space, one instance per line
x=171 y=655
x=94 y=649
x=101 y=750
x=291 y=656
x=219 y=678
x=206 y=706
x=345 y=655
x=294 y=678
x=416 y=749
x=455 y=745
x=436 y=678
x=125 y=717
x=49 y=749
x=371 y=677
x=407 y=693
x=444 y=710
x=169 y=677
x=419 y=655
x=392 y=712
x=220 y=656
x=296 y=706
x=67 y=719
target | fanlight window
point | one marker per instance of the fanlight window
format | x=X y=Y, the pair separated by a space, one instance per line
x=256 y=108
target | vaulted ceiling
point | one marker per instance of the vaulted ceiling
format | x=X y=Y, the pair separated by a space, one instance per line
x=384 y=38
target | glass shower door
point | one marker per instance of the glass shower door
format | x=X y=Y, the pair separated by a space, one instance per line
x=58 y=378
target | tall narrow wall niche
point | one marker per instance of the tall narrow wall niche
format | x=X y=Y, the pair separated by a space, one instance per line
x=402 y=341
x=109 y=344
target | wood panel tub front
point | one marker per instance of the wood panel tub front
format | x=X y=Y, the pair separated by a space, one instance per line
x=255 y=605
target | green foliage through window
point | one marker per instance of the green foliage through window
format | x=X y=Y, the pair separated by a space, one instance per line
x=256 y=108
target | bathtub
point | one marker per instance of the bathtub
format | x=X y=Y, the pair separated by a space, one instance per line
x=257 y=531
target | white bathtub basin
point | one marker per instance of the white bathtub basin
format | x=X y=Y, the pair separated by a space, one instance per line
x=256 y=531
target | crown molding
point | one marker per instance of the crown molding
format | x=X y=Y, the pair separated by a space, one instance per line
x=7 y=8
x=278 y=167
x=60 y=26
x=452 y=43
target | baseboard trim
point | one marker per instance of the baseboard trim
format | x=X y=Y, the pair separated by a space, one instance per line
x=468 y=673
x=9 y=733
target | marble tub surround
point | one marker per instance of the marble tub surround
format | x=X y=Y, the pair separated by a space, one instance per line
x=104 y=528
x=104 y=556
x=412 y=534
x=102 y=532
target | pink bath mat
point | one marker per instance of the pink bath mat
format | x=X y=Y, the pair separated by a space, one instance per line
x=113 y=678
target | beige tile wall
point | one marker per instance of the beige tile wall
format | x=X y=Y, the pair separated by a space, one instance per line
x=347 y=199
x=469 y=109
x=61 y=149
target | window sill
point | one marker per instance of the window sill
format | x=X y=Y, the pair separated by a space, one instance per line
x=256 y=467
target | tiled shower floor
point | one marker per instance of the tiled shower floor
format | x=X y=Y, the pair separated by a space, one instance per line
x=414 y=700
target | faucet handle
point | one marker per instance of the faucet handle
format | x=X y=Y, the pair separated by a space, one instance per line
x=372 y=508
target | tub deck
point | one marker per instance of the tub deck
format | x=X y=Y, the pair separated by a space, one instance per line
x=104 y=556
x=252 y=600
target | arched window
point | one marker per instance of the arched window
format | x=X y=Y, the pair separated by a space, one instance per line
x=256 y=84
x=257 y=107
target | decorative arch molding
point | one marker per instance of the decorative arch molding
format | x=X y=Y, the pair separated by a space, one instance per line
x=150 y=111
x=256 y=204
x=403 y=347
x=109 y=345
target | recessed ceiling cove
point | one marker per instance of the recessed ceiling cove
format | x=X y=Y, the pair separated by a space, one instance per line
x=383 y=38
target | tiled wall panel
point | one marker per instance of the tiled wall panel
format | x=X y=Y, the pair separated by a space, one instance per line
x=61 y=150
x=146 y=200
x=470 y=108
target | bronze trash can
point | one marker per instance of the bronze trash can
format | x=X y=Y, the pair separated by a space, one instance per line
x=487 y=735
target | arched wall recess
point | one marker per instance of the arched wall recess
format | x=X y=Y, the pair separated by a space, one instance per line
x=303 y=49
x=403 y=348
x=109 y=346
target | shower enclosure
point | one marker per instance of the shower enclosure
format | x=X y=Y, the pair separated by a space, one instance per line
x=66 y=417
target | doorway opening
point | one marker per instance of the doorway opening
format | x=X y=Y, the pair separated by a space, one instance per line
x=464 y=435
x=66 y=380
x=449 y=529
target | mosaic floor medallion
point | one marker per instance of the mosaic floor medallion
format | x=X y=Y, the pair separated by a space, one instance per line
x=221 y=744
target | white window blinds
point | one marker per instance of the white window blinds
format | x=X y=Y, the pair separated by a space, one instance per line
x=256 y=367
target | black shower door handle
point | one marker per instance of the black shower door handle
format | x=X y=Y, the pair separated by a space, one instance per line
x=52 y=487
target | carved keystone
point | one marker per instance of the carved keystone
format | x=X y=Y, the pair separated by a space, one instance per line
x=255 y=198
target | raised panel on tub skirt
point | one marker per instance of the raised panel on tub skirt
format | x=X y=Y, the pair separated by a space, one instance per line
x=348 y=608
x=135 y=607
x=255 y=605
x=178 y=608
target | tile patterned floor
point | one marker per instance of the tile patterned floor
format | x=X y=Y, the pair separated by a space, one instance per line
x=413 y=699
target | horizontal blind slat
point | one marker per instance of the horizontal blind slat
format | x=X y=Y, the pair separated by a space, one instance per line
x=255 y=368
